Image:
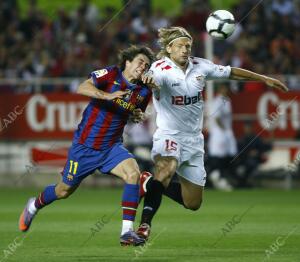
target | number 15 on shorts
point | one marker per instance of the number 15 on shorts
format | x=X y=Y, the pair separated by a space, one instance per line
x=170 y=145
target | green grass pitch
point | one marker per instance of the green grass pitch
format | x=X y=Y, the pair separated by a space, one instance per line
x=257 y=225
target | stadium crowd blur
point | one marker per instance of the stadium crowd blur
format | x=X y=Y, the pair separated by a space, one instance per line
x=72 y=43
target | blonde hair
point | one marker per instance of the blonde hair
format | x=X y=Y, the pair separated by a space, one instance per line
x=168 y=35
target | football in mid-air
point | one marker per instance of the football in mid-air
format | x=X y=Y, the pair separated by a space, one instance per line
x=220 y=24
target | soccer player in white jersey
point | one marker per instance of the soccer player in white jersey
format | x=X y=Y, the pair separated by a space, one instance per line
x=178 y=141
x=221 y=142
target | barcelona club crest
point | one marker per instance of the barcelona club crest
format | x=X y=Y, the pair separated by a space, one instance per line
x=140 y=99
x=128 y=95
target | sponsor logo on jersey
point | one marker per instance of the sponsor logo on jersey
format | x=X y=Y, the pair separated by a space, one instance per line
x=175 y=84
x=200 y=78
x=126 y=105
x=186 y=100
x=125 y=102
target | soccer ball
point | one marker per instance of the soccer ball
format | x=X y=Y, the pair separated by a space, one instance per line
x=220 y=24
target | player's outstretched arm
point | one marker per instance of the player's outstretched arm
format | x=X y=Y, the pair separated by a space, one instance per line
x=242 y=74
x=87 y=88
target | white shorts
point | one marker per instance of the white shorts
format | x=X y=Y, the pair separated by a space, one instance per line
x=188 y=150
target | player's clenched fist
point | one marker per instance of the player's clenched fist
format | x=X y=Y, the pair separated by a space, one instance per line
x=148 y=80
x=137 y=116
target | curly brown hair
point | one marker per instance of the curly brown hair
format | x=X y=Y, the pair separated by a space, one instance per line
x=130 y=53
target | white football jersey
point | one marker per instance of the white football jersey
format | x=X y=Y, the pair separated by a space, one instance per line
x=179 y=103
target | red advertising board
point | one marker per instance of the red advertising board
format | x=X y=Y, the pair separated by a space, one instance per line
x=56 y=116
x=275 y=114
x=39 y=116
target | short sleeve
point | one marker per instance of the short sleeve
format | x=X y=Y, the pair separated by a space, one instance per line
x=100 y=77
x=217 y=71
x=157 y=73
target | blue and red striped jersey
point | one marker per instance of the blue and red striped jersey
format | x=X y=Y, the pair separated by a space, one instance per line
x=103 y=121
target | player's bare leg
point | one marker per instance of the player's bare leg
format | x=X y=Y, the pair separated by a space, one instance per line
x=191 y=193
x=49 y=195
x=129 y=171
x=165 y=168
x=185 y=193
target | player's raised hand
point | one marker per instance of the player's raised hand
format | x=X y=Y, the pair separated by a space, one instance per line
x=275 y=83
x=137 y=116
x=148 y=80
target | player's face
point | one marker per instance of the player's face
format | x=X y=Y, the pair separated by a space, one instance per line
x=180 y=50
x=138 y=66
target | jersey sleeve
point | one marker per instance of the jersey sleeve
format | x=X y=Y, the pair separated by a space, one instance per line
x=146 y=101
x=217 y=71
x=100 y=77
x=156 y=72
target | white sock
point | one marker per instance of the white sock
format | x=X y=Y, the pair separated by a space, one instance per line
x=32 y=209
x=126 y=226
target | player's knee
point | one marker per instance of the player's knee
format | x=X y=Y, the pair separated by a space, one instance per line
x=193 y=205
x=165 y=170
x=132 y=177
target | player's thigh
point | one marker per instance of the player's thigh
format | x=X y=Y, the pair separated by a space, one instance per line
x=128 y=170
x=165 y=168
x=165 y=153
x=193 y=177
x=192 y=194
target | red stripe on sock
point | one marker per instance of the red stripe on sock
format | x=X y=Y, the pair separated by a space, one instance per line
x=129 y=204
x=39 y=202
x=129 y=212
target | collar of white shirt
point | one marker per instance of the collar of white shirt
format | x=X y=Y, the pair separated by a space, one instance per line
x=189 y=68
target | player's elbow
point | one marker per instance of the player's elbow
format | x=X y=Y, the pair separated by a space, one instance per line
x=80 y=89
x=85 y=86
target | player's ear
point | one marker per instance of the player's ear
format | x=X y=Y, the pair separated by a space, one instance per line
x=127 y=63
x=168 y=49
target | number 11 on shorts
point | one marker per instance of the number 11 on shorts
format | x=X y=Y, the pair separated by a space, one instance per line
x=73 y=167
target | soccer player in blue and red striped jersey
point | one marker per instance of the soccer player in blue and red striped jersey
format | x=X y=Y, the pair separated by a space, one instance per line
x=117 y=94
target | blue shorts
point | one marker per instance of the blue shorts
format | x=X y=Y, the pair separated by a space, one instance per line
x=83 y=161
